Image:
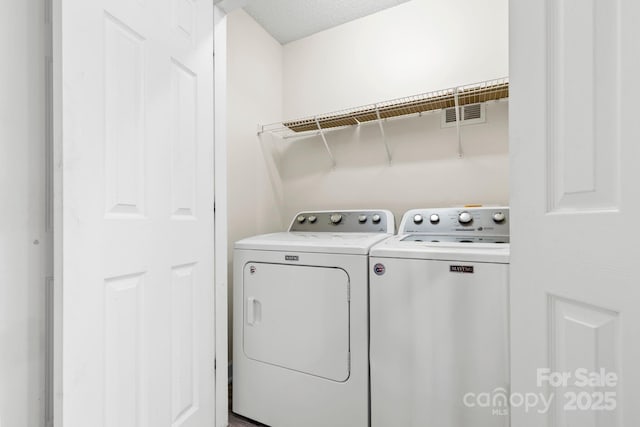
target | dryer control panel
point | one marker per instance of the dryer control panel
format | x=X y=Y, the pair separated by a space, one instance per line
x=350 y=221
x=476 y=221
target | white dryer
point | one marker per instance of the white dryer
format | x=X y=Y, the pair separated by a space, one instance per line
x=440 y=322
x=300 y=330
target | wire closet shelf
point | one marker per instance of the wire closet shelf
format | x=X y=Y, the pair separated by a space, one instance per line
x=490 y=90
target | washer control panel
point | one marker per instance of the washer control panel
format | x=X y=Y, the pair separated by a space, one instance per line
x=369 y=221
x=476 y=221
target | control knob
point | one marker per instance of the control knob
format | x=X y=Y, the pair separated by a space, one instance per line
x=312 y=219
x=301 y=219
x=362 y=219
x=375 y=218
x=465 y=218
x=417 y=219
x=434 y=218
x=499 y=217
x=336 y=218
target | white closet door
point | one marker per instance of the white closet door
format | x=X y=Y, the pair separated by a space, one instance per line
x=134 y=226
x=574 y=148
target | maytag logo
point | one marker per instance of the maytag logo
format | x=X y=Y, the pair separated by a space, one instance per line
x=291 y=258
x=461 y=268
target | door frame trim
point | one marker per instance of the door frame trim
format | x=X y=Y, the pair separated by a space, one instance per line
x=56 y=112
x=220 y=223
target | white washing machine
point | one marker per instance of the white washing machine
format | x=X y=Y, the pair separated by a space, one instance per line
x=300 y=330
x=440 y=322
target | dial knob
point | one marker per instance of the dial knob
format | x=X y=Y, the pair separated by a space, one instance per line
x=336 y=218
x=301 y=219
x=417 y=219
x=312 y=219
x=499 y=217
x=434 y=218
x=362 y=219
x=465 y=218
x=375 y=218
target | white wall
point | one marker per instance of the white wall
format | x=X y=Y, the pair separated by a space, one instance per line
x=254 y=93
x=416 y=47
x=24 y=238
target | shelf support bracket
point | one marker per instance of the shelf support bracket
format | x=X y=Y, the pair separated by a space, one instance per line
x=326 y=144
x=457 y=106
x=384 y=136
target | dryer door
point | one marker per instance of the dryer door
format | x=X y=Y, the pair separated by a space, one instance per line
x=297 y=317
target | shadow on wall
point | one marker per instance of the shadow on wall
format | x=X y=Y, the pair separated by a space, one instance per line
x=269 y=145
x=419 y=139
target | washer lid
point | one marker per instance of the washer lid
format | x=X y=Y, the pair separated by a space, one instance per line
x=337 y=243
x=406 y=246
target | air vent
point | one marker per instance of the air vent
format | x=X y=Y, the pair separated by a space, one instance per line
x=469 y=114
x=450 y=115
x=472 y=112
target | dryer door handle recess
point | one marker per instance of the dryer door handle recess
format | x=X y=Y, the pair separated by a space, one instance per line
x=254 y=311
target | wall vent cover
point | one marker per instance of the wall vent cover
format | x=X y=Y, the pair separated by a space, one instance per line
x=469 y=114
x=450 y=115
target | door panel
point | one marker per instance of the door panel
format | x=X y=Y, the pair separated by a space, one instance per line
x=124 y=109
x=185 y=342
x=583 y=337
x=134 y=145
x=123 y=338
x=297 y=317
x=574 y=152
x=583 y=105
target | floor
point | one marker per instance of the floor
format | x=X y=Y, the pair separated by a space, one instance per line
x=238 y=421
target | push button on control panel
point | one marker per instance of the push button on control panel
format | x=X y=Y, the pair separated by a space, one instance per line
x=336 y=219
x=465 y=218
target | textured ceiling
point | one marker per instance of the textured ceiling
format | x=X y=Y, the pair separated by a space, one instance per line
x=289 y=20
